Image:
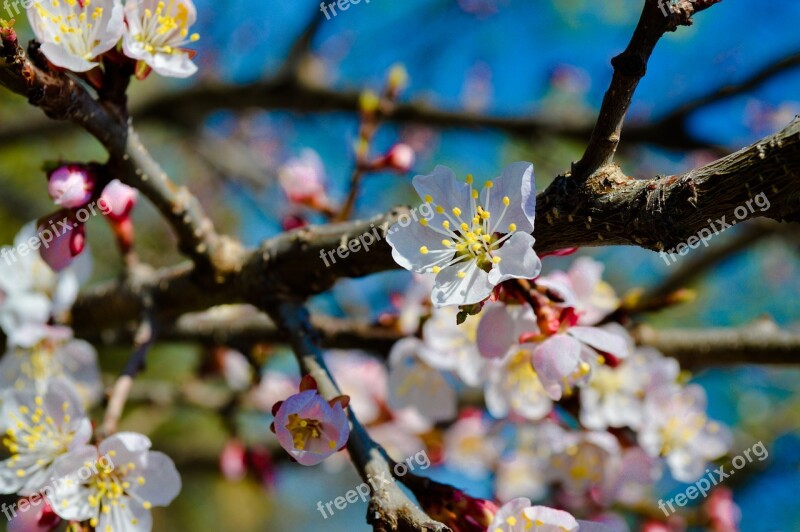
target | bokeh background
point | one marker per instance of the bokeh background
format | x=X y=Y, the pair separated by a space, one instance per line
x=506 y=58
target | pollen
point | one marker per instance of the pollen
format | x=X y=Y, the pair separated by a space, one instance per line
x=512 y=228
x=446 y=243
x=436 y=269
x=456 y=211
x=423 y=222
x=488 y=184
x=461 y=275
x=428 y=198
x=423 y=250
x=497 y=260
x=506 y=201
x=469 y=179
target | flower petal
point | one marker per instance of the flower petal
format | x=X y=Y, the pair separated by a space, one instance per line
x=601 y=340
x=408 y=243
x=472 y=287
x=444 y=189
x=556 y=358
x=496 y=331
x=518 y=185
x=518 y=260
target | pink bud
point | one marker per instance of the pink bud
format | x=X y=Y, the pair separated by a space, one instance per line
x=117 y=200
x=70 y=186
x=62 y=239
x=400 y=158
x=39 y=517
x=232 y=461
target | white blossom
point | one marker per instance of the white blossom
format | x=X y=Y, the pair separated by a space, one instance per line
x=473 y=241
x=676 y=427
x=156 y=33
x=413 y=383
x=450 y=346
x=53 y=353
x=113 y=486
x=73 y=33
x=39 y=428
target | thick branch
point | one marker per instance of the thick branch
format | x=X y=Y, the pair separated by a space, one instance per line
x=760 y=343
x=609 y=209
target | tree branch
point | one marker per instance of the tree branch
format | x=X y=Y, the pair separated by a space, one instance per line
x=389 y=508
x=609 y=209
x=629 y=68
x=758 y=343
x=62 y=98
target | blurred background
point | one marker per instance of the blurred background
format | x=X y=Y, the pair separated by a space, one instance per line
x=500 y=58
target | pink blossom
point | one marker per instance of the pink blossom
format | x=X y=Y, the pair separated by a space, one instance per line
x=583 y=288
x=310 y=428
x=303 y=179
x=70 y=186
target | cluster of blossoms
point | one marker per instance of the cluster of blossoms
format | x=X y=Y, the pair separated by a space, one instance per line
x=75 y=34
x=48 y=380
x=578 y=413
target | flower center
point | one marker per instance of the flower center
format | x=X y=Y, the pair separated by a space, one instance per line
x=34 y=440
x=110 y=487
x=303 y=429
x=473 y=235
x=166 y=29
x=76 y=31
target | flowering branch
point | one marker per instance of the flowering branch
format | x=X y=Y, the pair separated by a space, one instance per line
x=389 y=508
x=609 y=209
x=62 y=98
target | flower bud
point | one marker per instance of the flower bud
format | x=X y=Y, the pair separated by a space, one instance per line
x=70 y=186
x=400 y=158
x=60 y=243
x=117 y=200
